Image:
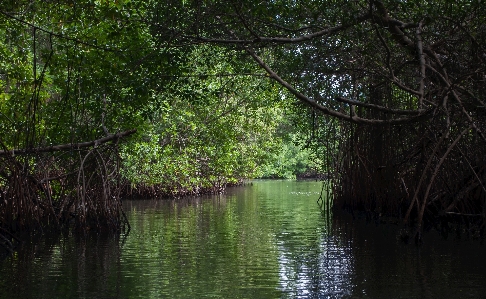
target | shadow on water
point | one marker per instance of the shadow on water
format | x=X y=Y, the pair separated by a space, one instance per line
x=268 y=240
x=385 y=267
x=57 y=266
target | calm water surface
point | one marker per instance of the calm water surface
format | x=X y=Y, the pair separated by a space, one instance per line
x=267 y=240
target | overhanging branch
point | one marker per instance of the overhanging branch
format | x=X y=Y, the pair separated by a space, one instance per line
x=382 y=108
x=284 y=40
x=69 y=146
x=326 y=110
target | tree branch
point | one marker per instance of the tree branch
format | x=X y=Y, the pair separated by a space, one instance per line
x=323 y=109
x=285 y=40
x=70 y=146
x=422 y=64
x=58 y=35
x=381 y=108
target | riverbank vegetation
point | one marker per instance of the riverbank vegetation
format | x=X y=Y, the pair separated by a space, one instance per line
x=78 y=78
x=101 y=100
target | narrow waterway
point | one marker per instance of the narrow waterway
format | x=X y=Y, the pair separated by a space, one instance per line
x=265 y=240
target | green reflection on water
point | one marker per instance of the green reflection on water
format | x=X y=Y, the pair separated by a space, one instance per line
x=253 y=242
x=268 y=240
x=224 y=246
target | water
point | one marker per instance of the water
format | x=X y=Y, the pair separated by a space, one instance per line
x=268 y=240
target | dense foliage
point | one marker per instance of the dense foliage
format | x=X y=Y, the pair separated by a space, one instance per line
x=384 y=97
x=407 y=79
x=77 y=77
x=209 y=126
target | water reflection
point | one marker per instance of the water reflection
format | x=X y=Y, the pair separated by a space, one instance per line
x=325 y=272
x=268 y=240
x=314 y=261
x=63 y=267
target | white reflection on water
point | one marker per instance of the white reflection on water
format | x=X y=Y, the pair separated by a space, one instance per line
x=321 y=274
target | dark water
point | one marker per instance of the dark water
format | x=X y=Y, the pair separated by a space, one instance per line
x=269 y=240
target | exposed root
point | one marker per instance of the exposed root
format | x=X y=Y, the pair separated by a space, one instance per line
x=77 y=190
